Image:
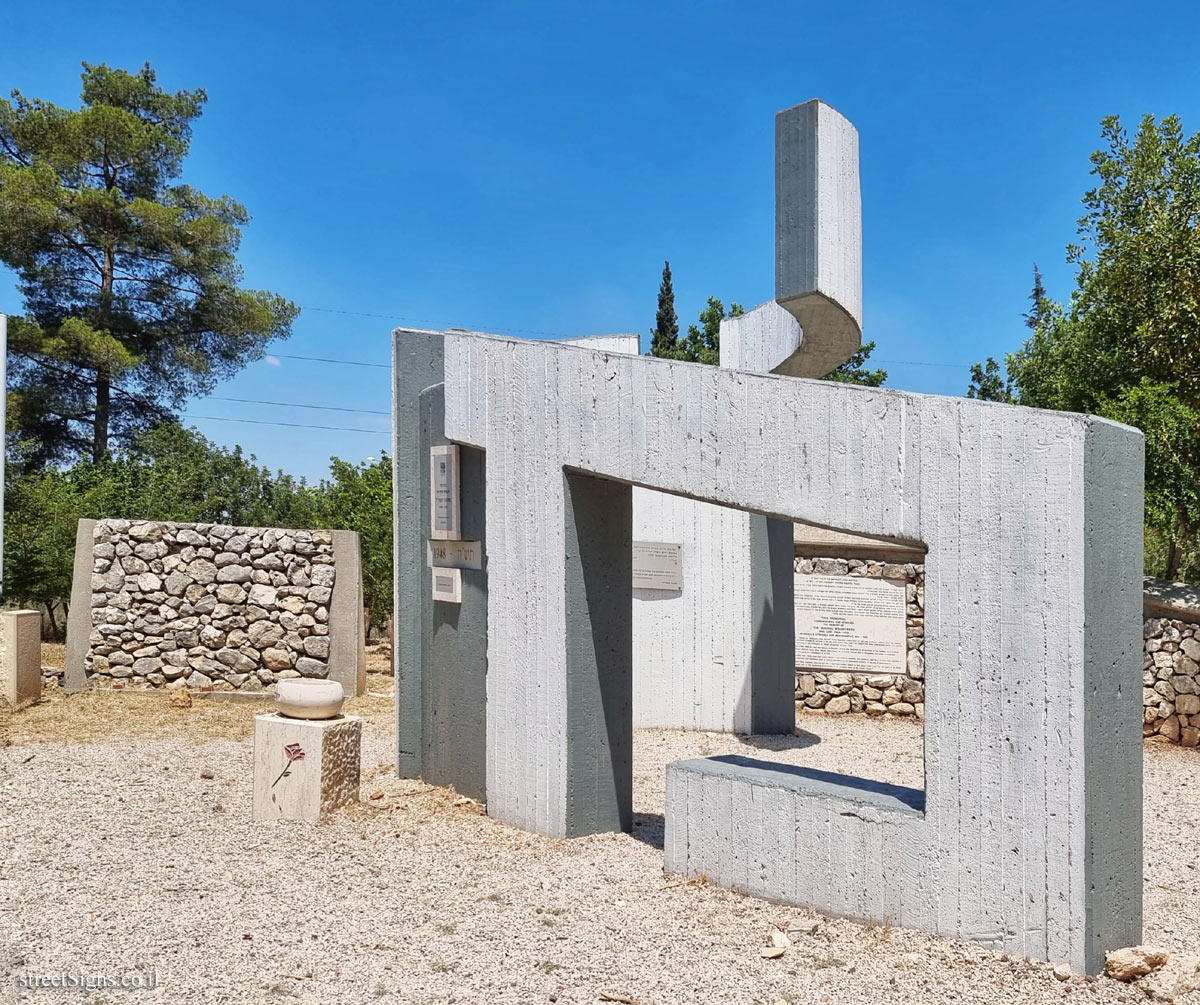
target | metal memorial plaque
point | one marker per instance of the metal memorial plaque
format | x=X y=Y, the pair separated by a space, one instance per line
x=657 y=565
x=444 y=515
x=455 y=554
x=447 y=585
x=851 y=624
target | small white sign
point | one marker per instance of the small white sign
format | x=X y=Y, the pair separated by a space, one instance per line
x=455 y=554
x=657 y=565
x=444 y=515
x=447 y=585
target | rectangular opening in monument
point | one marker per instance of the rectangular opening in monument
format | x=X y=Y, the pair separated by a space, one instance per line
x=860 y=641
x=762 y=636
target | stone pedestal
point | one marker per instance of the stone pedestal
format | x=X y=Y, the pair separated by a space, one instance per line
x=305 y=769
x=20 y=657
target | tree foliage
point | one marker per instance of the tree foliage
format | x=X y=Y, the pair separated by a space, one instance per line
x=702 y=344
x=665 y=338
x=855 y=371
x=129 y=278
x=171 y=473
x=1127 y=345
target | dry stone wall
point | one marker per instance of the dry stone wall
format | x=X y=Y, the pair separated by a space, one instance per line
x=1171 y=681
x=208 y=606
x=900 y=693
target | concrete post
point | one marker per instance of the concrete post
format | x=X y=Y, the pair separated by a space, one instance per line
x=79 y=617
x=347 y=642
x=20 y=657
x=598 y=563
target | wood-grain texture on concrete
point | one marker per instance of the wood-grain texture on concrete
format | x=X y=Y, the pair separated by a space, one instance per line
x=1008 y=501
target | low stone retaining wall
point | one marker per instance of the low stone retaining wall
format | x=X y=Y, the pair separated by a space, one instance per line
x=1171 y=681
x=213 y=607
x=875 y=693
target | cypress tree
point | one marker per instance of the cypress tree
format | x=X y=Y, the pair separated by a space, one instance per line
x=664 y=340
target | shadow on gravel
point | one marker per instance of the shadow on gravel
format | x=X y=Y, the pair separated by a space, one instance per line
x=782 y=741
x=648 y=828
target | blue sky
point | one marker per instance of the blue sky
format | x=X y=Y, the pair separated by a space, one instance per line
x=526 y=167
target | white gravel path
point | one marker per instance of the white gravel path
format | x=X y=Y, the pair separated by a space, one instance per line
x=118 y=856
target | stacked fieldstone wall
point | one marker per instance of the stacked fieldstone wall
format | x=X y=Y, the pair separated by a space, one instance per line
x=1171 y=680
x=208 y=606
x=900 y=693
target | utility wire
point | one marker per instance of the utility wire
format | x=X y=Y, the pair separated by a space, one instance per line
x=435 y=324
x=919 y=363
x=387 y=366
x=294 y=425
x=296 y=404
x=324 y=359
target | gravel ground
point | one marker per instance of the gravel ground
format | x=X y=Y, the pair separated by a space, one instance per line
x=119 y=856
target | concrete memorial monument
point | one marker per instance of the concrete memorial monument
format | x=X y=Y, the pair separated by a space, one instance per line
x=1027 y=836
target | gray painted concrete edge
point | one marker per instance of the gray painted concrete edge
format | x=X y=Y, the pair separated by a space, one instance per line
x=417 y=363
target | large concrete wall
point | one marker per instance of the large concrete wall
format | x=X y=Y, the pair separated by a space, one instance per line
x=1022 y=825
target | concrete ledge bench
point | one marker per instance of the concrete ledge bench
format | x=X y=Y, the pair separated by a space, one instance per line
x=797 y=835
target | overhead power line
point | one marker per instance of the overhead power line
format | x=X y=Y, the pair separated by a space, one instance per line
x=435 y=324
x=293 y=425
x=325 y=359
x=296 y=404
x=388 y=366
x=919 y=363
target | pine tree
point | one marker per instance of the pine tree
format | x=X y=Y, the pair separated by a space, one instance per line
x=130 y=279
x=664 y=340
x=1037 y=316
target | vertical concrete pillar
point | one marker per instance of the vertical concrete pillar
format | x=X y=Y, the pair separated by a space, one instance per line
x=440 y=649
x=79 y=617
x=416 y=365
x=599 y=654
x=454 y=652
x=818 y=235
x=347 y=633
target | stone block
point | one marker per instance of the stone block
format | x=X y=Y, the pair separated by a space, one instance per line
x=305 y=769
x=20 y=657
